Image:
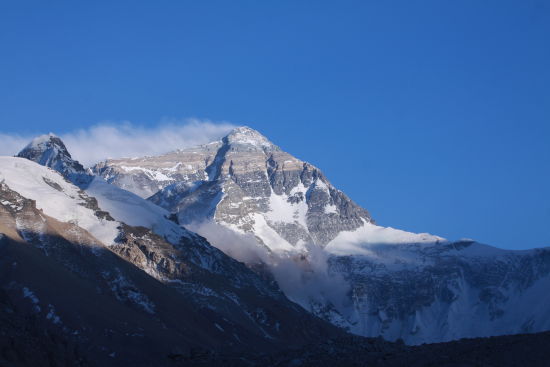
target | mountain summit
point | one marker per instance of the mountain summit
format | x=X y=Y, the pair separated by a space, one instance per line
x=246 y=195
x=247 y=137
x=247 y=183
x=50 y=151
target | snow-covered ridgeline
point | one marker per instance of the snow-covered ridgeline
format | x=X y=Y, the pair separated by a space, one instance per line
x=55 y=196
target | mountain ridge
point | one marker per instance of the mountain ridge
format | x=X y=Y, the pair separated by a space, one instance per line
x=397 y=283
x=67 y=225
x=249 y=197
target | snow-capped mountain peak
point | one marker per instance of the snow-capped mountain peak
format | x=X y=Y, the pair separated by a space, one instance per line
x=393 y=283
x=246 y=136
x=50 y=151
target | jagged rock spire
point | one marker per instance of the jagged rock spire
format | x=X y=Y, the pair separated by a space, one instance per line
x=50 y=151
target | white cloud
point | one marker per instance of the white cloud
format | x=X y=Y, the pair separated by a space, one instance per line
x=303 y=278
x=115 y=140
x=12 y=144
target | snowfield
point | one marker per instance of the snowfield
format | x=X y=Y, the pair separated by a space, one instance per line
x=364 y=239
x=131 y=209
x=53 y=195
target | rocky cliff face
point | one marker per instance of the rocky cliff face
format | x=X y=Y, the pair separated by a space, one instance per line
x=163 y=285
x=447 y=291
x=247 y=183
x=87 y=302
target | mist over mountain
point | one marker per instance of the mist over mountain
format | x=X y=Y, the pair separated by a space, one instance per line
x=135 y=243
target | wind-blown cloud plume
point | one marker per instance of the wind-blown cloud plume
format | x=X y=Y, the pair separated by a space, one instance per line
x=305 y=279
x=115 y=140
x=11 y=144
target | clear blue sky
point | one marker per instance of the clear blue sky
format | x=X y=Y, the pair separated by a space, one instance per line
x=434 y=115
